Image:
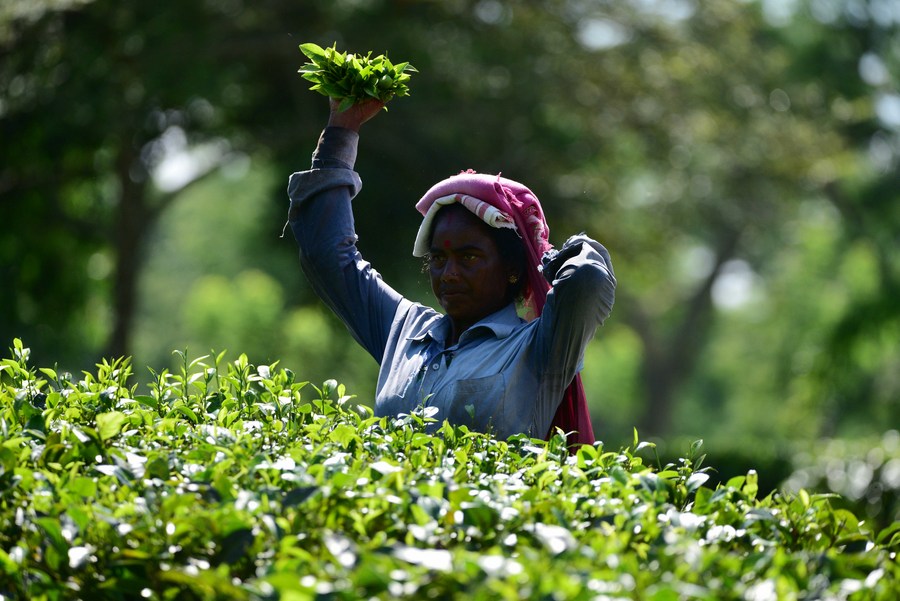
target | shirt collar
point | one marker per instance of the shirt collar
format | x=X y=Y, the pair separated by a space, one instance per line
x=502 y=323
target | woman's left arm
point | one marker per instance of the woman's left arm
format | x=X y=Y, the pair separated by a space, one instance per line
x=581 y=297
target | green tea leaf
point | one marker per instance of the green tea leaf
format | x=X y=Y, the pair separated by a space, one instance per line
x=110 y=424
x=696 y=480
x=7 y=565
x=312 y=50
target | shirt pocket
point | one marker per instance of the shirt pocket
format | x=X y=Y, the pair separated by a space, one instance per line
x=399 y=392
x=478 y=402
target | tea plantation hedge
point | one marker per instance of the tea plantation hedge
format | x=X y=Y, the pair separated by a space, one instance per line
x=232 y=481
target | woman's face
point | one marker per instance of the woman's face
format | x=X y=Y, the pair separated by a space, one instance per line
x=468 y=275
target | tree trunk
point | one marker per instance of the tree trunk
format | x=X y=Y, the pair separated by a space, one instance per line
x=670 y=358
x=137 y=214
x=128 y=235
x=660 y=381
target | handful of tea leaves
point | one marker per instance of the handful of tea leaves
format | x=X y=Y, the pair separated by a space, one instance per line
x=352 y=78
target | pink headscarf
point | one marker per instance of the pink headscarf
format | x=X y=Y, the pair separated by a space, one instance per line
x=517 y=202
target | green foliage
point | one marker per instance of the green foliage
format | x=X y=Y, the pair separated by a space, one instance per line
x=351 y=78
x=242 y=294
x=233 y=481
x=688 y=140
x=246 y=309
x=865 y=473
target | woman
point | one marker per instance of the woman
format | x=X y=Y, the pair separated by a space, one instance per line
x=485 y=241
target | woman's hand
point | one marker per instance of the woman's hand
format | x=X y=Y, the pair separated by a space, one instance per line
x=355 y=115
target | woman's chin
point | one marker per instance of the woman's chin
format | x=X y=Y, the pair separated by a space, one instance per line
x=452 y=302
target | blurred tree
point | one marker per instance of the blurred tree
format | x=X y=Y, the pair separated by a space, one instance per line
x=100 y=104
x=85 y=107
x=853 y=50
x=815 y=353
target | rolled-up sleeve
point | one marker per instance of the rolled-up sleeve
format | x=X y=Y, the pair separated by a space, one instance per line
x=321 y=219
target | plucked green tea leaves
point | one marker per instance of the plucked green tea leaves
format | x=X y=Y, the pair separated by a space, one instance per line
x=352 y=78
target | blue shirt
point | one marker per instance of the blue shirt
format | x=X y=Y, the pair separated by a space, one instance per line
x=504 y=375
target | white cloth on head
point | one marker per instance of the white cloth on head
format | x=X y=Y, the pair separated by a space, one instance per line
x=491 y=215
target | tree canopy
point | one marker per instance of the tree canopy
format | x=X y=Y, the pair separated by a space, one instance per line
x=738 y=159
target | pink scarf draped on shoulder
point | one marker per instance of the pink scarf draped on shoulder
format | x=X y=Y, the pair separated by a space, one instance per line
x=520 y=204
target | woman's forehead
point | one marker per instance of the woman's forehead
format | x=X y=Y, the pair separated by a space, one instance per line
x=461 y=229
x=458 y=216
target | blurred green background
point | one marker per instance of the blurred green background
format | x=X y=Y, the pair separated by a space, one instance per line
x=738 y=158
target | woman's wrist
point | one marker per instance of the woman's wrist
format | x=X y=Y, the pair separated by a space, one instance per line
x=336 y=148
x=342 y=120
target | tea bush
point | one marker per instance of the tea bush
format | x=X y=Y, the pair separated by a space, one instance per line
x=233 y=481
x=863 y=472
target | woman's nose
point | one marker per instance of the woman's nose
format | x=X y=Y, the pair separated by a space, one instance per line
x=450 y=271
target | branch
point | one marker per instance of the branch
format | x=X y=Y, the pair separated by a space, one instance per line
x=165 y=199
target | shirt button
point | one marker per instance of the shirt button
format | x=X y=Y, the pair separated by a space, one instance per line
x=436 y=366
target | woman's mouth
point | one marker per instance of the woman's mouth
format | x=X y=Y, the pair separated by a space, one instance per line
x=451 y=295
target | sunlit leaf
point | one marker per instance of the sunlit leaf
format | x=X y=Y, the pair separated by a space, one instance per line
x=110 y=424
